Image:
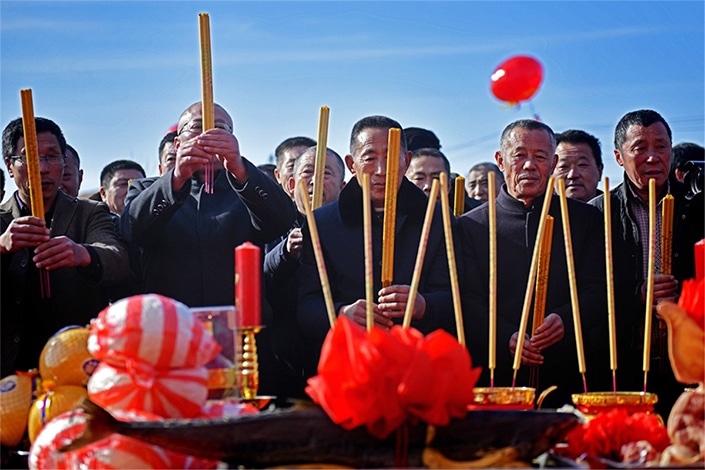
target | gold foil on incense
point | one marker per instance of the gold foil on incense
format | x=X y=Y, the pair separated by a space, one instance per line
x=492 y=209
x=423 y=243
x=318 y=252
x=542 y=275
x=207 y=118
x=390 y=206
x=609 y=271
x=452 y=267
x=650 y=279
x=667 y=234
x=459 y=196
x=319 y=171
x=572 y=281
x=533 y=268
x=369 y=260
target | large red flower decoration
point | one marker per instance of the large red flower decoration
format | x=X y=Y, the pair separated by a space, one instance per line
x=382 y=378
x=692 y=299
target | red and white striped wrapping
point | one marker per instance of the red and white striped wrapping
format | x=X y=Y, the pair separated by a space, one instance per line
x=169 y=393
x=153 y=329
x=113 y=452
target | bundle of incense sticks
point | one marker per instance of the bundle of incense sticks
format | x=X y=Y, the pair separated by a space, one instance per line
x=667 y=234
x=452 y=267
x=459 y=196
x=541 y=290
x=33 y=174
x=204 y=30
x=651 y=266
x=610 y=282
x=390 y=206
x=319 y=170
x=369 y=261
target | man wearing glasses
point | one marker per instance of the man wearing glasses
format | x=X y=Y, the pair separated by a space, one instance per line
x=73 y=250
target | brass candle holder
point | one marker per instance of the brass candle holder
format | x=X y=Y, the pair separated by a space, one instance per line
x=248 y=364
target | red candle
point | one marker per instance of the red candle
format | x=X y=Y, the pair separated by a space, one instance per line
x=248 y=299
x=700 y=259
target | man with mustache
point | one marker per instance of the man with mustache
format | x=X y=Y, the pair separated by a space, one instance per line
x=527 y=159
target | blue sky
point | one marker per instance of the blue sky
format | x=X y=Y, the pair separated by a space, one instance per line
x=116 y=75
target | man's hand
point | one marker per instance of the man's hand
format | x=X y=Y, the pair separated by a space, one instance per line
x=61 y=252
x=665 y=288
x=357 y=312
x=530 y=355
x=23 y=232
x=294 y=242
x=393 y=300
x=547 y=334
x=225 y=147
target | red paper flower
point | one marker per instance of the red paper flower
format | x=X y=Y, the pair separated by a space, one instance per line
x=382 y=378
x=692 y=299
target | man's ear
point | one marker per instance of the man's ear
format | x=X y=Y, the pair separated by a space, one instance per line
x=291 y=184
x=618 y=156
x=349 y=163
x=500 y=160
x=407 y=161
x=277 y=175
x=103 y=195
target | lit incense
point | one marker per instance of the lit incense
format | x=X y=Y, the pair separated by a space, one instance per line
x=450 y=251
x=492 y=209
x=318 y=252
x=423 y=243
x=207 y=116
x=667 y=234
x=369 y=261
x=612 y=322
x=319 y=171
x=572 y=282
x=390 y=206
x=533 y=268
x=36 y=199
x=650 y=278
x=459 y=196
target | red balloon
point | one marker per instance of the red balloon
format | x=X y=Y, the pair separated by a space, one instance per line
x=517 y=79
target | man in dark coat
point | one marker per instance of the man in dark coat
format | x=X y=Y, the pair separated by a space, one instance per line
x=340 y=226
x=75 y=243
x=527 y=158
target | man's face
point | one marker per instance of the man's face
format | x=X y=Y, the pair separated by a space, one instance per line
x=51 y=174
x=527 y=160
x=167 y=159
x=645 y=154
x=116 y=192
x=424 y=169
x=576 y=164
x=476 y=185
x=305 y=168
x=286 y=170
x=73 y=176
x=370 y=156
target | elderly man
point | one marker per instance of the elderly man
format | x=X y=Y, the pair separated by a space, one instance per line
x=188 y=235
x=642 y=141
x=286 y=154
x=579 y=163
x=527 y=158
x=340 y=226
x=74 y=242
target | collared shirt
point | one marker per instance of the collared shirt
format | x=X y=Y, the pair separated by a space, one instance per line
x=640 y=210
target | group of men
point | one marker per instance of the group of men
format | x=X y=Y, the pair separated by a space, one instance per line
x=184 y=237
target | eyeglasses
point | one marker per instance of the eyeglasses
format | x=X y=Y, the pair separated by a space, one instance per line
x=52 y=159
x=196 y=127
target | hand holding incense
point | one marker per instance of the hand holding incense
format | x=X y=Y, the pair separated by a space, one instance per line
x=667 y=234
x=492 y=208
x=318 y=252
x=319 y=171
x=207 y=118
x=650 y=279
x=36 y=198
x=390 y=206
x=577 y=326
x=612 y=322
x=459 y=196
x=369 y=261
x=452 y=268
x=423 y=243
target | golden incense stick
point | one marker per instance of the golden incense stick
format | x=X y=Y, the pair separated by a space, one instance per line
x=492 y=208
x=369 y=261
x=542 y=275
x=572 y=281
x=207 y=116
x=318 y=252
x=459 y=196
x=667 y=234
x=650 y=278
x=390 y=206
x=452 y=268
x=612 y=322
x=423 y=243
x=319 y=171
x=528 y=293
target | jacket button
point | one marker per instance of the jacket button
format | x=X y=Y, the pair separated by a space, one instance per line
x=17 y=339
x=23 y=263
